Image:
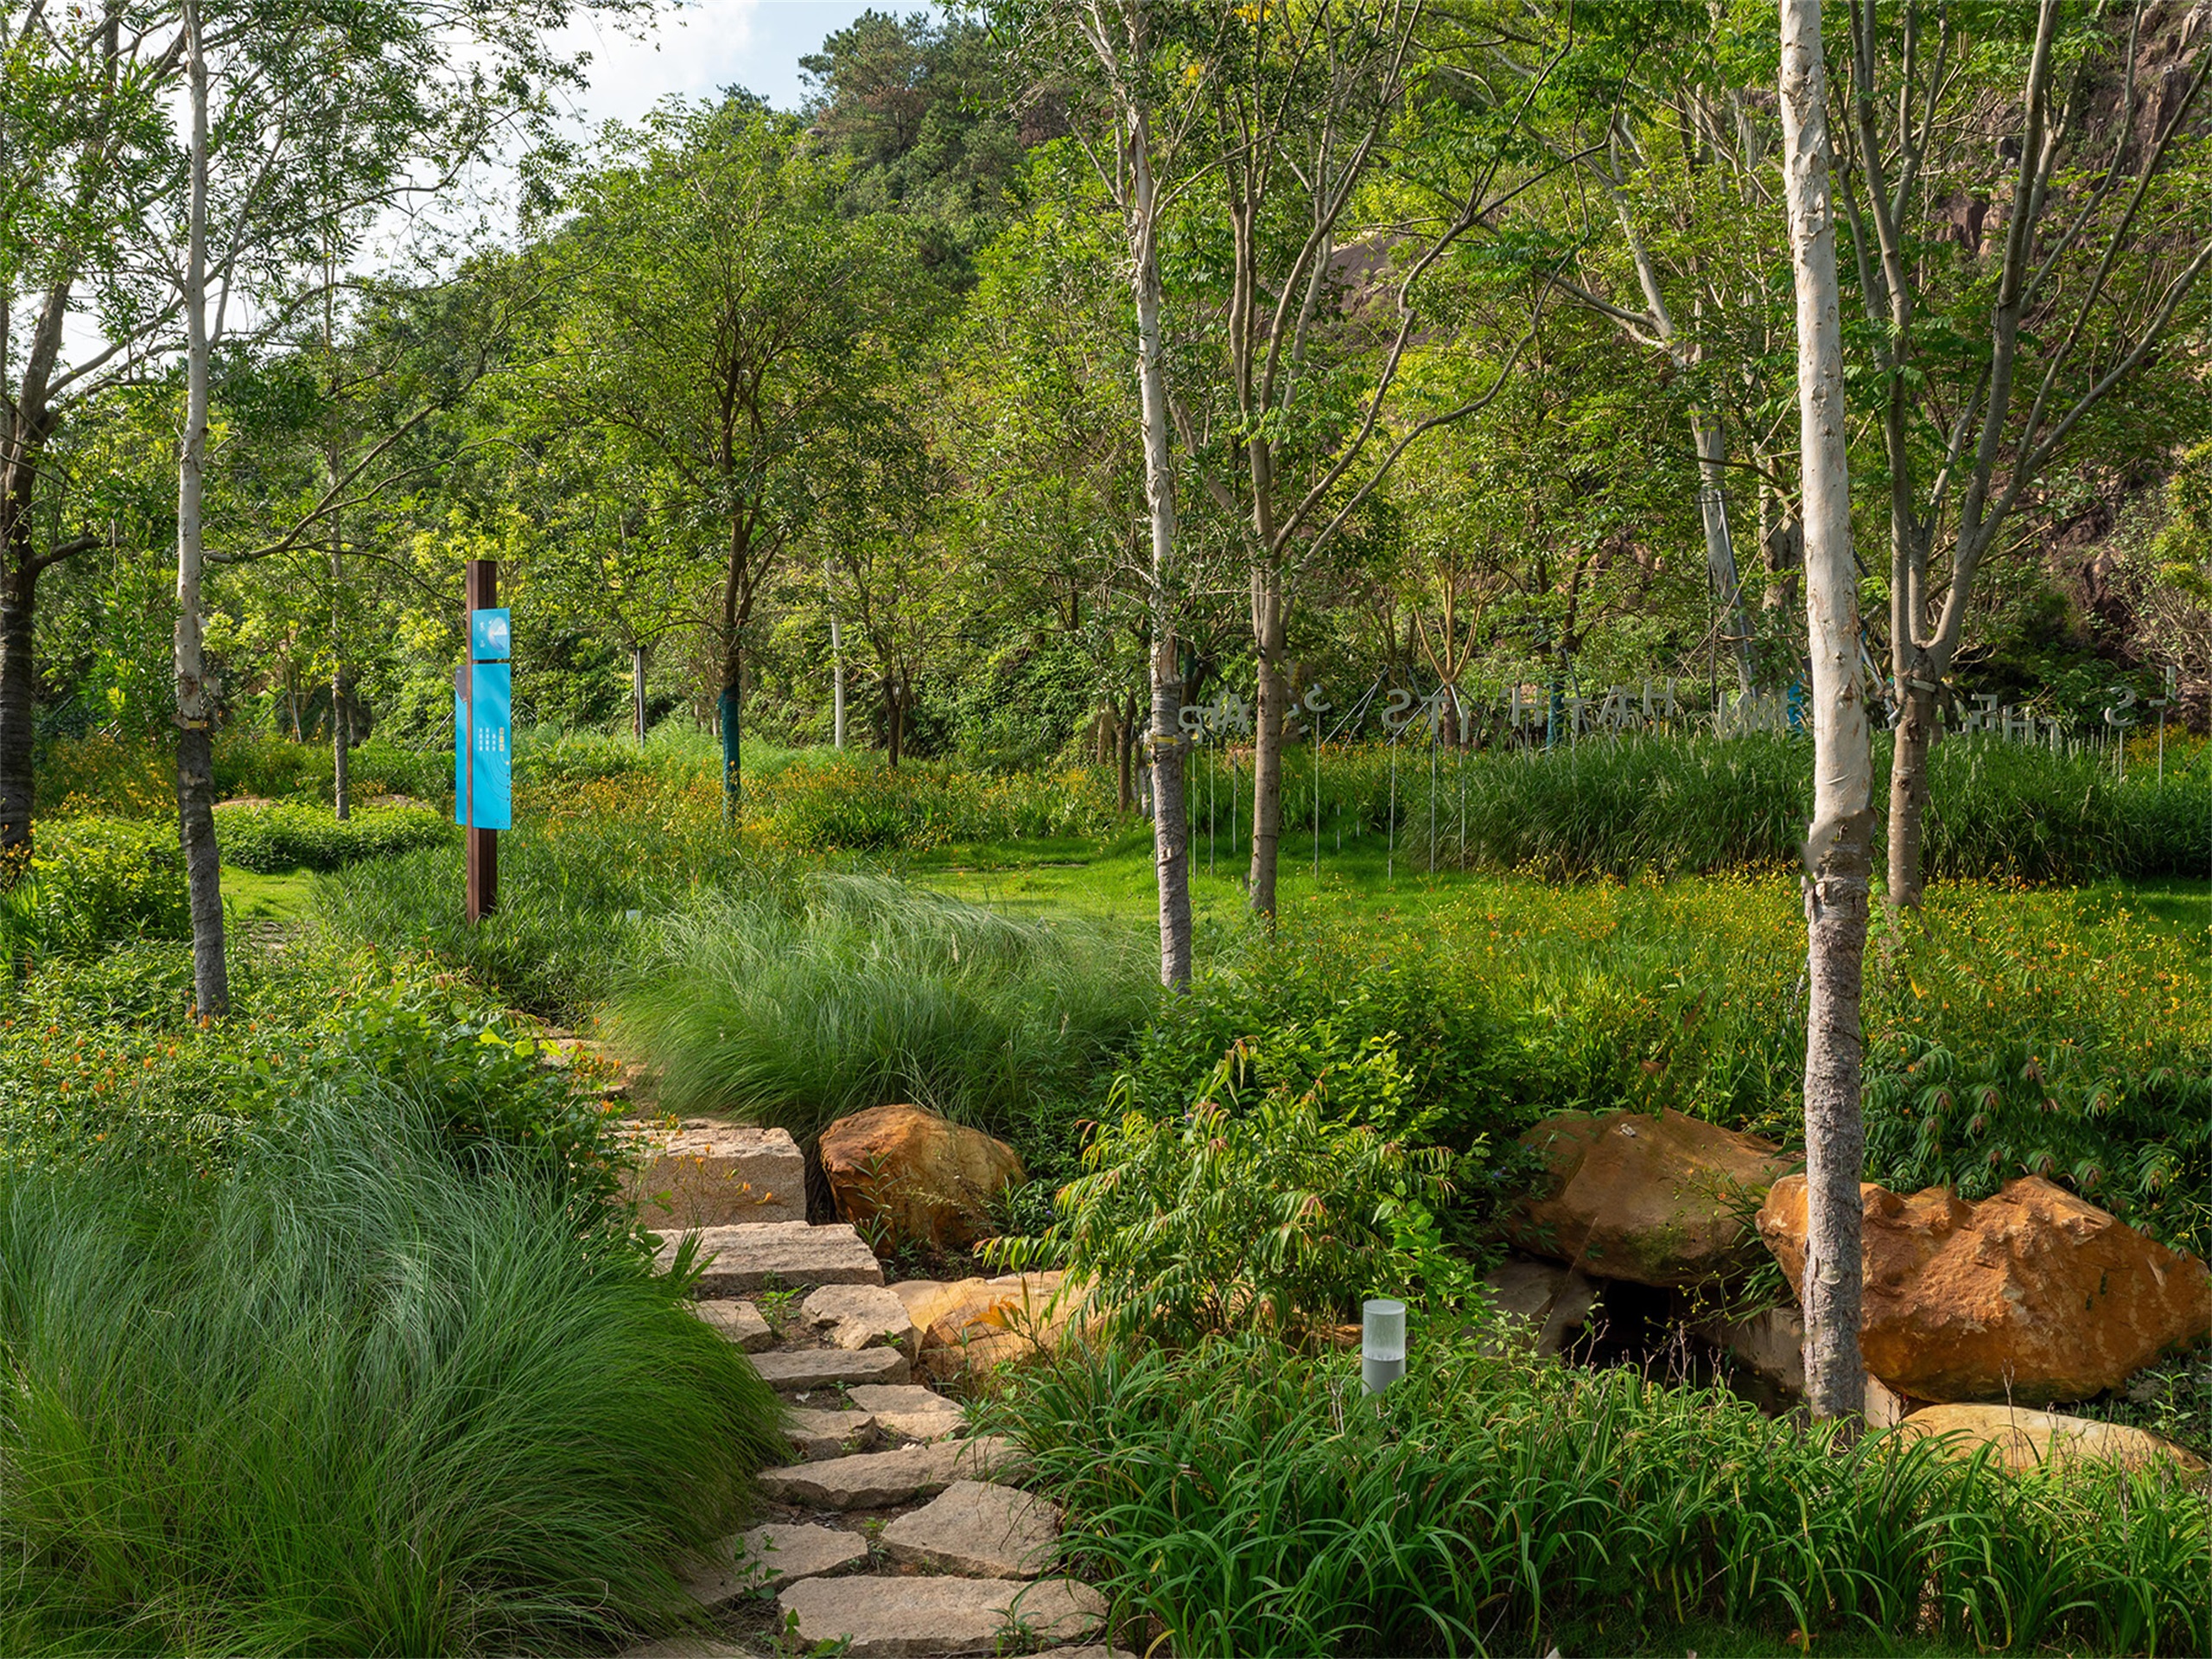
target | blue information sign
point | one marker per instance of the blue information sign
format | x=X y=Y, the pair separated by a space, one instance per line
x=490 y=636
x=483 y=704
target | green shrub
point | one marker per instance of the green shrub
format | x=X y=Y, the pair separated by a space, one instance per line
x=345 y=1397
x=796 y=1005
x=859 y=804
x=97 y=881
x=282 y=837
x=1245 y=1497
x=1283 y=1213
x=100 y=1064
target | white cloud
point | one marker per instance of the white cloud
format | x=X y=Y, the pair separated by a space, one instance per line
x=707 y=46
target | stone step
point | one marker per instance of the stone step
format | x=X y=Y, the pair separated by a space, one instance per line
x=820 y=1435
x=878 y=1480
x=978 y=1531
x=798 y=1370
x=736 y=1567
x=858 y=1316
x=741 y=1322
x=895 y=1617
x=910 y=1411
x=702 y=1173
x=743 y=1260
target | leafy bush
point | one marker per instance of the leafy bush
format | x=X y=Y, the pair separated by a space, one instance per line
x=279 y=836
x=796 y=1005
x=99 y=1064
x=1245 y=1497
x=96 y=881
x=1283 y=1214
x=344 y=1397
x=2066 y=1032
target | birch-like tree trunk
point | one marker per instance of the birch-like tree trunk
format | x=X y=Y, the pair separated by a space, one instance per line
x=195 y=768
x=638 y=691
x=1839 y=852
x=1171 y=845
x=1267 y=630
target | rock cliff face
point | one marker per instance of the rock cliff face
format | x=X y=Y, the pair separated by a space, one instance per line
x=2031 y=1296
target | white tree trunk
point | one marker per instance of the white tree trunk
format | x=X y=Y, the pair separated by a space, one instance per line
x=195 y=772
x=1839 y=851
x=1170 y=831
x=1720 y=546
x=837 y=665
x=638 y=691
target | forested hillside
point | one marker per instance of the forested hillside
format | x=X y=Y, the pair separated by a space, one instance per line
x=1477 y=372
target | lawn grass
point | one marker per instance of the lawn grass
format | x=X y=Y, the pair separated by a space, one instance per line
x=253 y=897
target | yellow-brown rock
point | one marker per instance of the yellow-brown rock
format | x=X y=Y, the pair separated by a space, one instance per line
x=2031 y=1296
x=1663 y=1200
x=914 y=1176
x=973 y=1325
x=2030 y=1439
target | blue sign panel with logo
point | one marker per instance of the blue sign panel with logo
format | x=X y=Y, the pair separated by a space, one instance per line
x=490 y=636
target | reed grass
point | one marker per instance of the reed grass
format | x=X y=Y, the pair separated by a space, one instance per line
x=1247 y=1499
x=344 y=1397
x=840 y=992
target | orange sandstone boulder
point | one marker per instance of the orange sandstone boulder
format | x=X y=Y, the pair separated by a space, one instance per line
x=922 y=1178
x=2030 y=1439
x=2031 y=1296
x=1663 y=1201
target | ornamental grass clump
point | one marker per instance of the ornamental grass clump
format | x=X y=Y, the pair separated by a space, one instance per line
x=1247 y=1499
x=795 y=1006
x=349 y=1394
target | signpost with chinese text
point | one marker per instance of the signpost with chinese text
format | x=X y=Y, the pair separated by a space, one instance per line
x=483 y=785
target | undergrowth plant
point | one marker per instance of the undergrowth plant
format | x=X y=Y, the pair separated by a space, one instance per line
x=1247 y=1497
x=343 y=1395
x=1280 y=1214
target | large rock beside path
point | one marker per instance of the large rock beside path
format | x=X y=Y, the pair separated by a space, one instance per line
x=877 y=1480
x=743 y=1260
x=895 y=1617
x=2030 y=1439
x=2030 y=1296
x=972 y=1326
x=1663 y=1201
x=977 y=1530
x=704 y=1173
x=922 y=1178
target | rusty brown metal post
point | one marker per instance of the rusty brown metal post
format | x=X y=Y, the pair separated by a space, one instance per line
x=480 y=590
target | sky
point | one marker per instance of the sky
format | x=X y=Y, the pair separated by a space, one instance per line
x=708 y=45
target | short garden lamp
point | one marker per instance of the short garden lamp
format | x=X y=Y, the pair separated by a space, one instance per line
x=1381 y=1343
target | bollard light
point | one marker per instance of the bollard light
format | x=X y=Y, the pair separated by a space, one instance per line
x=1382 y=1342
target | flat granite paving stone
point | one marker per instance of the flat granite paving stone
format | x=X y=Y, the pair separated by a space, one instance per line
x=876 y=1480
x=746 y=1257
x=741 y=1322
x=895 y=1617
x=911 y=1412
x=979 y=1531
x=688 y=1646
x=857 y=1316
x=829 y=1433
x=788 y=1553
x=799 y=1368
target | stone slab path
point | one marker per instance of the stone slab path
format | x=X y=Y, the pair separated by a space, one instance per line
x=896 y=1532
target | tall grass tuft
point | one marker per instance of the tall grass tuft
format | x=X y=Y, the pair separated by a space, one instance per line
x=345 y=1397
x=844 y=992
x=1251 y=1501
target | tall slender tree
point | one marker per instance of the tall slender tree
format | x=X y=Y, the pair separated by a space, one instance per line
x=1838 y=850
